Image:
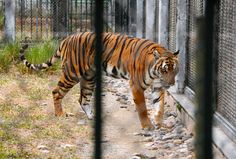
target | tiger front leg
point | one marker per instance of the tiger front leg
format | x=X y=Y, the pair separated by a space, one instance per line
x=158 y=102
x=139 y=100
x=86 y=91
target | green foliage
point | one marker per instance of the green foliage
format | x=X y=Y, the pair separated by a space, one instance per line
x=41 y=52
x=8 y=55
x=38 y=53
x=1 y=19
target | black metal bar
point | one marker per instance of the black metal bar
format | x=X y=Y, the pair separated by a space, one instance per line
x=41 y=19
x=37 y=21
x=91 y=14
x=86 y=15
x=21 y=21
x=71 y=16
x=31 y=19
x=81 y=26
x=204 y=84
x=47 y=23
x=98 y=111
x=144 y=19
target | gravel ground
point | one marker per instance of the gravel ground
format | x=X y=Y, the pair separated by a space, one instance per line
x=172 y=140
x=28 y=128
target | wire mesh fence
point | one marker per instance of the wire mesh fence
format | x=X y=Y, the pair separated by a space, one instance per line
x=45 y=19
x=172 y=24
x=227 y=61
x=195 y=9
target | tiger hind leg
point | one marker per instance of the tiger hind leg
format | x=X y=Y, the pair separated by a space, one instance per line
x=86 y=92
x=60 y=91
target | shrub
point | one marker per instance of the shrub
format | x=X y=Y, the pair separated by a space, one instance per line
x=41 y=52
x=8 y=55
x=37 y=53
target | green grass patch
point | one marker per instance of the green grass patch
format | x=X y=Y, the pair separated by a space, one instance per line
x=41 y=52
x=36 y=54
x=1 y=19
x=9 y=55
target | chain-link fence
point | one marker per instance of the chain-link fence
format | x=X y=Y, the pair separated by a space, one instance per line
x=225 y=46
x=195 y=9
x=45 y=19
x=226 y=103
x=172 y=24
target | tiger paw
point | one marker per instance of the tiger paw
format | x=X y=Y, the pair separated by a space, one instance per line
x=88 y=111
x=158 y=120
x=148 y=127
x=59 y=113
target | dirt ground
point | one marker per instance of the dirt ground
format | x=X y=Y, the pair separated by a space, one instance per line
x=29 y=129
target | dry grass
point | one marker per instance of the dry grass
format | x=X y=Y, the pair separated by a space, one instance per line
x=28 y=128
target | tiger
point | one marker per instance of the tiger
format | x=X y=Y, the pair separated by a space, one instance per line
x=141 y=61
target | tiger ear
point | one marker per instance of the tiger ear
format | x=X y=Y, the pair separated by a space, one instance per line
x=176 y=53
x=156 y=54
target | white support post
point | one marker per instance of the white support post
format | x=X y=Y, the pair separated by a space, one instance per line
x=140 y=18
x=10 y=20
x=150 y=19
x=163 y=22
x=181 y=43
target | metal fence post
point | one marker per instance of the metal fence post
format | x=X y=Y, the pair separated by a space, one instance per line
x=98 y=92
x=204 y=83
x=132 y=17
x=163 y=22
x=10 y=30
x=181 y=41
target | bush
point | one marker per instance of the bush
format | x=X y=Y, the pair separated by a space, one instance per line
x=40 y=53
x=36 y=54
x=1 y=20
x=8 y=55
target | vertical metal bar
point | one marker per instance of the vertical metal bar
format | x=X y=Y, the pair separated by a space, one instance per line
x=86 y=15
x=91 y=14
x=81 y=26
x=31 y=19
x=41 y=19
x=107 y=24
x=205 y=84
x=76 y=15
x=98 y=112
x=71 y=16
x=37 y=23
x=47 y=24
x=144 y=19
x=21 y=23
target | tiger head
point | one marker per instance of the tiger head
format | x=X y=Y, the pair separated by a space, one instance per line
x=166 y=67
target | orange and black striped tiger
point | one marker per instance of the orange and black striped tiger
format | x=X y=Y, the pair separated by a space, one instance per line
x=142 y=62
